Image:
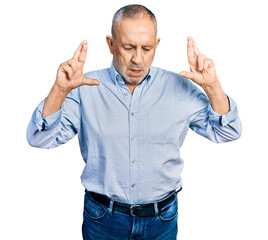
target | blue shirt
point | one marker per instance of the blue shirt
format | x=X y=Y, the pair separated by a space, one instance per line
x=131 y=143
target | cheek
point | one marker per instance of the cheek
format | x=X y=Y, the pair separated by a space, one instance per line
x=149 y=59
x=124 y=59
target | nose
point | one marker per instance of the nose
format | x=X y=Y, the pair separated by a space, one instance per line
x=137 y=56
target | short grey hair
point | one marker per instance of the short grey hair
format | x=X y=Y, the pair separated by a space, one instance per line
x=132 y=11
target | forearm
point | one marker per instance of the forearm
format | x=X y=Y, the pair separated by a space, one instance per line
x=217 y=98
x=53 y=101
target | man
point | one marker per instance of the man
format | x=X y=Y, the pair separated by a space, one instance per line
x=131 y=120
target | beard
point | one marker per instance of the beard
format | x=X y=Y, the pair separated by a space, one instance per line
x=134 y=73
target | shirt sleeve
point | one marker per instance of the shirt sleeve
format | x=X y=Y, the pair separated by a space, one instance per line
x=206 y=122
x=57 y=128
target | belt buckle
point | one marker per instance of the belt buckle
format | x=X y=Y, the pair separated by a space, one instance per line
x=131 y=210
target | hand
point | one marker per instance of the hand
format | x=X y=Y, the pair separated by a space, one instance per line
x=70 y=74
x=202 y=70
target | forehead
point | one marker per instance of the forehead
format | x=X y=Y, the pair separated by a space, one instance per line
x=136 y=31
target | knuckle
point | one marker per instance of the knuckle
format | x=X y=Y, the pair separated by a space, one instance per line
x=72 y=64
x=64 y=65
x=202 y=56
x=71 y=61
x=61 y=65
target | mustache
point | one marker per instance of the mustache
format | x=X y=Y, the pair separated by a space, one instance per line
x=135 y=67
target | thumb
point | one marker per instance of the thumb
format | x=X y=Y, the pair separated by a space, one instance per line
x=186 y=74
x=89 y=81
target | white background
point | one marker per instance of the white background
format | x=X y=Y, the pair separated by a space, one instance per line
x=224 y=186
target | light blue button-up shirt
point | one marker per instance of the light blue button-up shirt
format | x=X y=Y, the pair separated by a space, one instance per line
x=131 y=143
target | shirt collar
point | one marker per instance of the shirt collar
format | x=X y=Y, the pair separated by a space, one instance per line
x=115 y=76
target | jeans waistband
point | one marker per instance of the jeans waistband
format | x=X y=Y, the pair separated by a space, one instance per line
x=141 y=210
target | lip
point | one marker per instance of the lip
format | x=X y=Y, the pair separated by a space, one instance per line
x=135 y=72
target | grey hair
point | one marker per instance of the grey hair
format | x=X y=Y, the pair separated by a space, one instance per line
x=132 y=11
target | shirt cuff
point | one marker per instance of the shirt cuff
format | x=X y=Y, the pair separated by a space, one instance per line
x=225 y=119
x=49 y=121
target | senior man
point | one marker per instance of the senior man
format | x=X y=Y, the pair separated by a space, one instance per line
x=131 y=121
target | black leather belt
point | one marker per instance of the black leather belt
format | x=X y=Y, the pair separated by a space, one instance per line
x=139 y=210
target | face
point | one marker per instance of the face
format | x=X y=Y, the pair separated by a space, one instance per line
x=133 y=48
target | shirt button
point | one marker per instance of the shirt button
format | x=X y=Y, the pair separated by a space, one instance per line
x=133 y=161
x=133 y=137
x=126 y=93
x=132 y=114
x=133 y=185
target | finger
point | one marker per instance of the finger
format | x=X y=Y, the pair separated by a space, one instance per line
x=206 y=64
x=201 y=60
x=89 y=81
x=196 y=50
x=73 y=64
x=186 y=74
x=83 y=54
x=78 y=50
x=190 y=53
x=209 y=64
x=65 y=68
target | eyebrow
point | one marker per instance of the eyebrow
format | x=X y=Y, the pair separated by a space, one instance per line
x=128 y=44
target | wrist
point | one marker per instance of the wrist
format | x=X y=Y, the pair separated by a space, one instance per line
x=217 y=97
x=60 y=91
x=213 y=88
x=54 y=100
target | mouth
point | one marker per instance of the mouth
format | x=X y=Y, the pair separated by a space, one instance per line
x=135 y=72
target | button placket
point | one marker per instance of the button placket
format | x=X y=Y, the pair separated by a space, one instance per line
x=134 y=164
x=133 y=149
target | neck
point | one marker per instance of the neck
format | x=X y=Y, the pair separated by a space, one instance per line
x=131 y=87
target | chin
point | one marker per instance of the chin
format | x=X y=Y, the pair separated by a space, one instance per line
x=134 y=81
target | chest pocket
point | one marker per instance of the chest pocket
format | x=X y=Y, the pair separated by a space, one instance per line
x=166 y=127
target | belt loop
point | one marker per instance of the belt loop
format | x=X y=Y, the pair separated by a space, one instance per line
x=111 y=207
x=155 y=209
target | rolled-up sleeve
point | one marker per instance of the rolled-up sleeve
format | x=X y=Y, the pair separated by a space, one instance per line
x=216 y=127
x=56 y=128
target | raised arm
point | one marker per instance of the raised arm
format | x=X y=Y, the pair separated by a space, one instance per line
x=219 y=120
x=57 y=118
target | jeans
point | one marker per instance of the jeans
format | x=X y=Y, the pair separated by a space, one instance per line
x=103 y=223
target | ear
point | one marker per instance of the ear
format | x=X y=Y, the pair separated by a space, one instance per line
x=157 y=41
x=110 y=41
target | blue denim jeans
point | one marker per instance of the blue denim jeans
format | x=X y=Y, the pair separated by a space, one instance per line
x=101 y=222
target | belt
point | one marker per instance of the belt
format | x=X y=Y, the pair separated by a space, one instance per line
x=139 y=210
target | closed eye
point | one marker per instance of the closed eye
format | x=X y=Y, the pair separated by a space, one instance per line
x=147 y=49
x=128 y=47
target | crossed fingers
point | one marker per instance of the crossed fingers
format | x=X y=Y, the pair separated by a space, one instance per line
x=76 y=62
x=81 y=52
x=202 y=70
x=197 y=61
